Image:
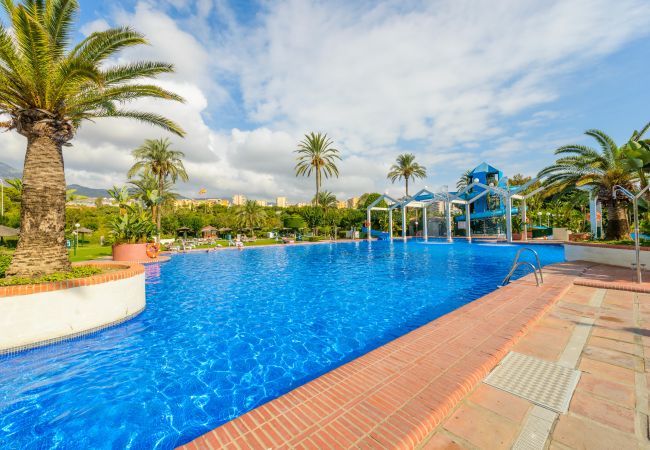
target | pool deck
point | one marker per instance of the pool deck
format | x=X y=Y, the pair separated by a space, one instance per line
x=425 y=389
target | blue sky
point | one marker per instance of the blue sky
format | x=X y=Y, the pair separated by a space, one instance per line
x=455 y=83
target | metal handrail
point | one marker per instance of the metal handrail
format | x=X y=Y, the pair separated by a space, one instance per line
x=516 y=263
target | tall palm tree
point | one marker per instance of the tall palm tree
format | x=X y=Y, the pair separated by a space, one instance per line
x=250 y=215
x=464 y=180
x=146 y=191
x=601 y=170
x=156 y=158
x=405 y=167
x=325 y=199
x=48 y=87
x=316 y=154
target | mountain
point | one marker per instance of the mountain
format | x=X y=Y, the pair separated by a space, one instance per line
x=6 y=171
x=88 y=192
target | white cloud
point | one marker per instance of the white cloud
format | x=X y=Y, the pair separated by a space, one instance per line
x=453 y=82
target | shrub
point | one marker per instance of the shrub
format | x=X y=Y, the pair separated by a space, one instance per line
x=5 y=260
x=76 y=272
x=314 y=238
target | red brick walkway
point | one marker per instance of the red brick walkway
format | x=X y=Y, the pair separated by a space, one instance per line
x=394 y=396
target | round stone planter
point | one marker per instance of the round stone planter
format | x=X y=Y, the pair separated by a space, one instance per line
x=130 y=252
x=613 y=255
x=39 y=314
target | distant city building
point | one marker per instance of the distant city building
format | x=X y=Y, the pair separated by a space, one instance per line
x=353 y=202
x=340 y=204
x=281 y=202
x=300 y=204
x=261 y=202
x=192 y=202
x=238 y=199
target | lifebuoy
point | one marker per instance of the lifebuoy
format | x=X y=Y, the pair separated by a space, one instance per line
x=153 y=249
x=366 y=224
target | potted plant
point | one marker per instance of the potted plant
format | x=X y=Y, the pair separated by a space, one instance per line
x=132 y=229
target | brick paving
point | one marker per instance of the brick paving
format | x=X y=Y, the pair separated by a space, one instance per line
x=424 y=390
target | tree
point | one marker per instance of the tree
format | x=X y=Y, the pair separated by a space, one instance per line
x=325 y=199
x=406 y=168
x=156 y=158
x=316 y=154
x=146 y=190
x=464 y=180
x=600 y=170
x=250 y=215
x=48 y=88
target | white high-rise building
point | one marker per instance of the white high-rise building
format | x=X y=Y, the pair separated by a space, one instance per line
x=238 y=199
x=281 y=202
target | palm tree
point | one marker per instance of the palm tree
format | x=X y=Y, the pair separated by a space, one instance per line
x=325 y=199
x=156 y=158
x=316 y=154
x=464 y=180
x=48 y=87
x=601 y=170
x=405 y=167
x=250 y=215
x=144 y=189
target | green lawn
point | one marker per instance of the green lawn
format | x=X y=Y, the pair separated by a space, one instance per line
x=90 y=251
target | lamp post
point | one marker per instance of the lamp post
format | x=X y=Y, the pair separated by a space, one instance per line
x=2 y=195
x=539 y=218
x=548 y=223
x=76 y=237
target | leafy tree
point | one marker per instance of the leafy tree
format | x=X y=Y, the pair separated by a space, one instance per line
x=155 y=158
x=250 y=215
x=316 y=154
x=48 y=87
x=406 y=168
x=294 y=222
x=464 y=180
x=600 y=170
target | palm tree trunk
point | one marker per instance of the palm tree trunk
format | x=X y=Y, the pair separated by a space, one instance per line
x=41 y=248
x=317 y=187
x=617 y=224
x=161 y=186
x=407 y=186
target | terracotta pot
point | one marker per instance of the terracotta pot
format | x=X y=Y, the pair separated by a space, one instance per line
x=130 y=252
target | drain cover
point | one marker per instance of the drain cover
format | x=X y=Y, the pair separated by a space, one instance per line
x=542 y=382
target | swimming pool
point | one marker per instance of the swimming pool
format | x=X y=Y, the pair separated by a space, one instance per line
x=224 y=332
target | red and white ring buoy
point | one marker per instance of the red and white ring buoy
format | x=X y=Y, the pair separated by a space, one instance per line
x=153 y=249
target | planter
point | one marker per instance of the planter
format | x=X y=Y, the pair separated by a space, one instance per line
x=518 y=236
x=577 y=237
x=614 y=255
x=130 y=252
x=40 y=314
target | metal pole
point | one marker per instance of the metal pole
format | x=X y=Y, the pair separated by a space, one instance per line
x=593 y=214
x=2 y=183
x=636 y=240
x=508 y=218
x=448 y=205
x=404 y=222
x=524 y=213
x=368 y=228
x=390 y=224
x=425 y=229
x=468 y=223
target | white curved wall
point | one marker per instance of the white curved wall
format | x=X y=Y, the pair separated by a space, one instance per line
x=623 y=257
x=30 y=319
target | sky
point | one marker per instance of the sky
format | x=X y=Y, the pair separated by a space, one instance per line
x=455 y=82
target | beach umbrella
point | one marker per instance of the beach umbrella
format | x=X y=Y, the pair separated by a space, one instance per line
x=184 y=230
x=208 y=231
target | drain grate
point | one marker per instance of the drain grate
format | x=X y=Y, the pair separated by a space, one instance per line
x=541 y=382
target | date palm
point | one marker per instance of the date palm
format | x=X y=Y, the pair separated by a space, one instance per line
x=156 y=158
x=250 y=215
x=316 y=155
x=406 y=168
x=48 y=88
x=601 y=170
x=464 y=180
x=145 y=189
x=325 y=199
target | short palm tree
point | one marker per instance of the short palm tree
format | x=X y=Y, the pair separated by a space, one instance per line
x=464 y=180
x=325 y=199
x=48 y=87
x=145 y=189
x=406 y=168
x=316 y=154
x=600 y=170
x=250 y=215
x=156 y=158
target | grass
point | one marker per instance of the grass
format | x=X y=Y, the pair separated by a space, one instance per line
x=90 y=251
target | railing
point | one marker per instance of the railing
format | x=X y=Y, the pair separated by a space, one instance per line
x=516 y=264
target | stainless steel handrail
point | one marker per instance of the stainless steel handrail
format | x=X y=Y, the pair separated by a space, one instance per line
x=516 y=263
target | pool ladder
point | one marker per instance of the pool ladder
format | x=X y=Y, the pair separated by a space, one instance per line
x=516 y=264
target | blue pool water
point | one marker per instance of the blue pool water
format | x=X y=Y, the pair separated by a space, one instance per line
x=224 y=332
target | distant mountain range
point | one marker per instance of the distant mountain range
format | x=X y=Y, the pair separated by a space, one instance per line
x=6 y=171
